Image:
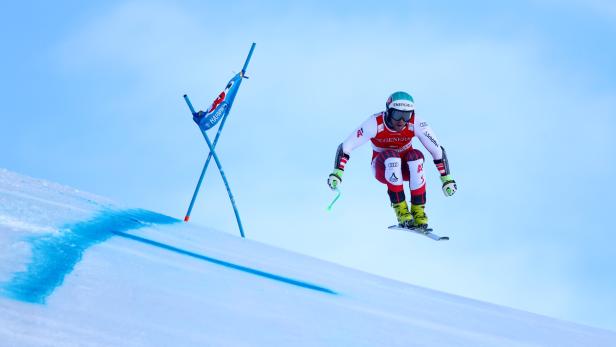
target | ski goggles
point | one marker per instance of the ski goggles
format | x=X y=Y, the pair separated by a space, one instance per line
x=398 y=115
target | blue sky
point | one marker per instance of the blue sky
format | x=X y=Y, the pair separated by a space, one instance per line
x=522 y=95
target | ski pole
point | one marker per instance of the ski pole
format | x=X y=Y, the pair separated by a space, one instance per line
x=329 y=208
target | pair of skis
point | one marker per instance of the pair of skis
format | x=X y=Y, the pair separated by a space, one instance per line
x=427 y=232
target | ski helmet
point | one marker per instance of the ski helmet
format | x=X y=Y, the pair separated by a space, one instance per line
x=399 y=105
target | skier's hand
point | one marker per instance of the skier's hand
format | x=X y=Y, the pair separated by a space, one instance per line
x=334 y=179
x=449 y=185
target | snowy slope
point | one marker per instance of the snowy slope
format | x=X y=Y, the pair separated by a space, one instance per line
x=75 y=270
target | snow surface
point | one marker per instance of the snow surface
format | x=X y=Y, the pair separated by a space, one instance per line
x=76 y=270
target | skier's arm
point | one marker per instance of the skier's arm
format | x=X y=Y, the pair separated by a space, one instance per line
x=426 y=136
x=358 y=137
x=428 y=139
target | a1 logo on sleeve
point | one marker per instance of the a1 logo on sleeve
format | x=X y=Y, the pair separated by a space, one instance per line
x=360 y=132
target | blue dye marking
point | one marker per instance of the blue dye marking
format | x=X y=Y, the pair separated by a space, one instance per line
x=227 y=264
x=54 y=256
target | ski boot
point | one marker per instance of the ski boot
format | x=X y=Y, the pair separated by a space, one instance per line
x=405 y=219
x=420 y=219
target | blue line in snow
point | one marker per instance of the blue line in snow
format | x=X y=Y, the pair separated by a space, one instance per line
x=55 y=255
x=227 y=264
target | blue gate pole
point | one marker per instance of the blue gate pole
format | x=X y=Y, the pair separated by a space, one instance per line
x=222 y=173
x=224 y=178
x=252 y=48
x=207 y=161
x=213 y=153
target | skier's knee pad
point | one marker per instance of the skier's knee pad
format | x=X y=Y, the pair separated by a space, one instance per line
x=393 y=173
x=417 y=181
x=388 y=170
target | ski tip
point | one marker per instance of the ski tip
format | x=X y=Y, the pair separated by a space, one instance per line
x=186 y=218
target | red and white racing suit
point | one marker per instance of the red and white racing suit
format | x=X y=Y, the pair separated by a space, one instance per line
x=394 y=160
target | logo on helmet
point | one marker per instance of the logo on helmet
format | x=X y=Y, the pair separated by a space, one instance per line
x=401 y=104
x=401 y=101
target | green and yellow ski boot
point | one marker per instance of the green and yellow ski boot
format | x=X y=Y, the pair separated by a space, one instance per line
x=405 y=219
x=420 y=219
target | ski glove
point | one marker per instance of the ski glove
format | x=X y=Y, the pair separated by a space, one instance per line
x=449 y=185
x=334 y=179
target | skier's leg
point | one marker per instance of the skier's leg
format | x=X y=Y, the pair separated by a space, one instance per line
x=417 y=183
x=387 y=167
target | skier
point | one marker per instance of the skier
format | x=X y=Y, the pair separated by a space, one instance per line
x=394 y=160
